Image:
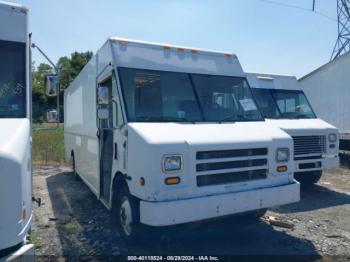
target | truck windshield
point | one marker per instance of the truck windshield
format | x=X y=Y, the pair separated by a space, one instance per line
x=159 y=96
x=225 y=98
x=283 y=104
x=12 y=79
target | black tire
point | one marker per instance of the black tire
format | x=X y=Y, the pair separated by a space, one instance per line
x=126 y=215
x=308 y=178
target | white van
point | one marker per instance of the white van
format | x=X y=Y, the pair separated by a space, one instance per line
x=284 y=104
x=15 y=134
x=165 y=135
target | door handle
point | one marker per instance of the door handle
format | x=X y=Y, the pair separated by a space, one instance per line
x=115 y=151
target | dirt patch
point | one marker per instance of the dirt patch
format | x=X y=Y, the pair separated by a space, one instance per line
x=72 y=223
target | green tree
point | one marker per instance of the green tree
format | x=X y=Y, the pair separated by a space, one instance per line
x=69 y=67
x=38 y=92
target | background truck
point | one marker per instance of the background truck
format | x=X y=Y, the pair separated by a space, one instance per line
x=328 y=91
x=165 y=135
x=15 y=134
x=284 y=104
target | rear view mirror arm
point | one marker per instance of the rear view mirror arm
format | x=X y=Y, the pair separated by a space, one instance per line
x=57 y=71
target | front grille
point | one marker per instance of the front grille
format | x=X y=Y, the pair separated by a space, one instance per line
x=234 y=177
x=306 y=145
x=231 y=153
x=231 y=166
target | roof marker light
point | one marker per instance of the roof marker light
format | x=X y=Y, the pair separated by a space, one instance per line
x=180 y=49
x=123 y=42
x=167 y=47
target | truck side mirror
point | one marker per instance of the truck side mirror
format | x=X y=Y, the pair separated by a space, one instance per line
x=103 y=95
x=52 y=116
x=51 y=85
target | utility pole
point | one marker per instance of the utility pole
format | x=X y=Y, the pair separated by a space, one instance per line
x=343 y=42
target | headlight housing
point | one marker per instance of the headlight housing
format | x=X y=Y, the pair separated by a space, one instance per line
x=282 y=155
x=332 y=138
x=172 y=163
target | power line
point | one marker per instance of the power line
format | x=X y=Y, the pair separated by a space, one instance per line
x=300 y=8
x=285 y=5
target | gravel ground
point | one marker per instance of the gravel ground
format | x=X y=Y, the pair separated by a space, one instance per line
x=72 y=224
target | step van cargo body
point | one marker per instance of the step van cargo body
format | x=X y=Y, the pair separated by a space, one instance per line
x=284 y=104
x=15 y=133
x=328 y=90
x=175 y=131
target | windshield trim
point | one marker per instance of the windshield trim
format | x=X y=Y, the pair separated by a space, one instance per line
x=21 y=46
x=203 y=120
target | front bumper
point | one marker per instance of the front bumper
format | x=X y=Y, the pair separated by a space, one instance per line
x=24 y=254
x=326 y=162
x=196 y=209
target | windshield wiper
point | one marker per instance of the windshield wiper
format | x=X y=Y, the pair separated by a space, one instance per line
x=228 y=118
x=163 y=119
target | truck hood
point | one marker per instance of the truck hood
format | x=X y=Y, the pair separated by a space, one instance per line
x=197 y=134
x=303 y=126
x=149 y=143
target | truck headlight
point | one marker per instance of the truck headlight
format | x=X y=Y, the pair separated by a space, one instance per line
x=282 y=155
x=332 y=138
x=172 y=163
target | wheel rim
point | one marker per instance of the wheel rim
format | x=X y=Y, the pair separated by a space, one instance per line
x=126 y=217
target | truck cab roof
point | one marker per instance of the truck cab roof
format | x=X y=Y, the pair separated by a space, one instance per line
x=157 y=56
x=270 y=81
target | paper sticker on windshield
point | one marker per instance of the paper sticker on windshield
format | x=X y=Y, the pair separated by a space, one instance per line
x=248 y=104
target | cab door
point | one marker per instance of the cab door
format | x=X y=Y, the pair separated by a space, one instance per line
x=105 y=136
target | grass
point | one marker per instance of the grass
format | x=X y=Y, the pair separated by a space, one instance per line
x=34 y=238
x=70 y=228
x=48 y=146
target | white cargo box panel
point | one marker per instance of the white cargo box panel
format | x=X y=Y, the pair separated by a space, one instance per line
x=328 y=90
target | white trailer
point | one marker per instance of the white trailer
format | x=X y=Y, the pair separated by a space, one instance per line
x=165 y=135
x=284 y=104
x=15 y=134
x=328 y=90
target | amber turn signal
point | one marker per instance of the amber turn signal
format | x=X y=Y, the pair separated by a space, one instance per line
x=172 y=181
x=282 y=169
x=142 y=181
x=24 y=214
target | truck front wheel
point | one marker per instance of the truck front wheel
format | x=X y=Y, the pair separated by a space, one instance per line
x=125 y=212
x=308 y=178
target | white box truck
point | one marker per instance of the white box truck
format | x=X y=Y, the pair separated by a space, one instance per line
x=165 y=135
x=284 y=104
x=328 y=90
x=15 y=134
